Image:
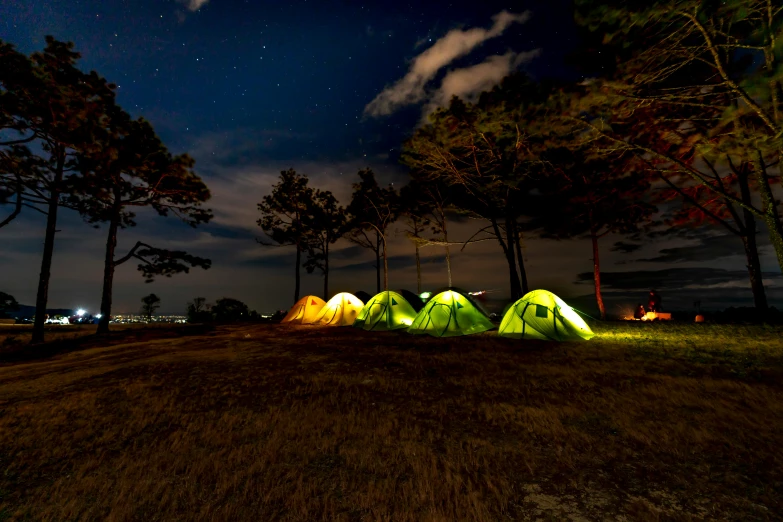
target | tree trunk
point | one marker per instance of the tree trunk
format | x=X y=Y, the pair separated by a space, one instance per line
x=516 y=288
x=448 y=251
x=597 y=275
x=775 y=234
x=516 y=291
x=48 y=252
x=522 y=271
x=754 y=272
x=108 y=266
x=418 y=270
x=512 y=268
x=768 y=203
x=298 y=262
x=750 y=245
x=385 y=267
x=377 y=262
x=326 y=271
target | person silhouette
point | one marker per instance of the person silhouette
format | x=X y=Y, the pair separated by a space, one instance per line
x=639 y=311
x=654 y=303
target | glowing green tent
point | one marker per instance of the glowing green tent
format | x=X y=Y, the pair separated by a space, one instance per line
x=543 y=315
x=448 y=314
x=385 y=311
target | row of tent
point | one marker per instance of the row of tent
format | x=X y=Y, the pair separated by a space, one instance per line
x=537 y=315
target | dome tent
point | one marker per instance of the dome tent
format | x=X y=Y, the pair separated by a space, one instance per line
x=340 y=310
x=362 y=296
x=386 y=311
x=305 y=310
x=542 y=315
x=464 y=293
x=413 y=299
x=448 y=314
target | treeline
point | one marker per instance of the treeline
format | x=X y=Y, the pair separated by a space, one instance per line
x=226 y=310
x=683 y=111
x=66 y=144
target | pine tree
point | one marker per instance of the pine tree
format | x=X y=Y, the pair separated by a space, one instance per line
x=371 y=211
x=283 y=215
x=149 y=305
x=60 y=110
x=414 y=209
x=129 y=170
x=325 y=224
x=485 y=152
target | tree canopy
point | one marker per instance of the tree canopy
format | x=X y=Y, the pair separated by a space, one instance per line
x=283 y=216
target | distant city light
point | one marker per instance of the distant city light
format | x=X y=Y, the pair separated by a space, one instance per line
x=80 y=312
x=99 y=316
x=425 y=295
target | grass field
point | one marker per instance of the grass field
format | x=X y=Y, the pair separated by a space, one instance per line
x=17 y=335
x=645 y=422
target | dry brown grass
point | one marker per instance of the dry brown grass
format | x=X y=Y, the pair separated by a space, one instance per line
x=653 y=423
x=14 y=335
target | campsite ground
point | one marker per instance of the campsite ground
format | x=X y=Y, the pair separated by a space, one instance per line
x=644 y=422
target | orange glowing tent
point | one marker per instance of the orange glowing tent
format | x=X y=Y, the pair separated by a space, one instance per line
x=305 y=310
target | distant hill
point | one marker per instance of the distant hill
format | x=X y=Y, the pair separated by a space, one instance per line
x=27 y=312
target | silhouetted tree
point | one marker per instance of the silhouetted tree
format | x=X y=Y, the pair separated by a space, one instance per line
x=324 y=224
x=371 y=211
x=58 y=109
x=700 y=206
x=440 y=204
x=198 y=311
x=228 y=310
x=414 y=209
x=708 y=75
x=132 y=170
x=7 y=304
x=16 y=70
x=592 y=197
x=485 y=152
x=11 y=184
x=149 y=305
x=283 y=213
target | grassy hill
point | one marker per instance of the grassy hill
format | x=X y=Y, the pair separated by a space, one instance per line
x=646 y=421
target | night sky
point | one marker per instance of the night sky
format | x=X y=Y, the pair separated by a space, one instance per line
x=250 y=88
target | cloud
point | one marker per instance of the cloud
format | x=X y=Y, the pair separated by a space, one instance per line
x=456 y=43
x=395 y=263
x=194 y=5
x=676 y=279
x=680 y=287
x=469 y=82
x=708 y=248
x=624 y=247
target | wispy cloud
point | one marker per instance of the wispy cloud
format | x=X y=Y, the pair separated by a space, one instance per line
x=194 y=5
x=469 y=82
x=703 y=249
x=456 y=43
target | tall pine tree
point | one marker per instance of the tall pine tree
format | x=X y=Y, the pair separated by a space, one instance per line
x=284 y=214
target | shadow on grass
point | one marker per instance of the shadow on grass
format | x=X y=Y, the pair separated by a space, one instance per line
x=12 y=352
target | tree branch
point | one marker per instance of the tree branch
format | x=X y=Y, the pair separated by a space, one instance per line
x=19 y=201
x=131 y=253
